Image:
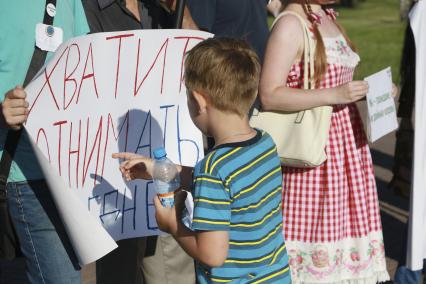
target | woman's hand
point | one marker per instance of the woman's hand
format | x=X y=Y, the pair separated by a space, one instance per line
x=350 y=92
x=135 y=166
x=274 y=7
x=395 y=90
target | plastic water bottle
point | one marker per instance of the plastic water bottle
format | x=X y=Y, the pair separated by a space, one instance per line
x=166 y=177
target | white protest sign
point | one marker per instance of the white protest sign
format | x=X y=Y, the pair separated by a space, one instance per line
x=381 y=106
x=114 y=92
x=88 y=238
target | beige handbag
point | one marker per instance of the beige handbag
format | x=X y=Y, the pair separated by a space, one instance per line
x=301 y=136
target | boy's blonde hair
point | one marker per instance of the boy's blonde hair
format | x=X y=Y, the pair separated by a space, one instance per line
x=226 y=70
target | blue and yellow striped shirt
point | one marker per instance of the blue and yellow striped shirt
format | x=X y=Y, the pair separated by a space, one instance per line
x=237 y=188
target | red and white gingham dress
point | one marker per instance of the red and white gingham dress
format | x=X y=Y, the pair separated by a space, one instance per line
x=331 y=214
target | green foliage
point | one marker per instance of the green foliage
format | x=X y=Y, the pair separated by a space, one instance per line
x=377 y=31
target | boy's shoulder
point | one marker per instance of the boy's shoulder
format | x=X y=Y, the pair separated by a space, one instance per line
x=233 y=154
x=203 y=167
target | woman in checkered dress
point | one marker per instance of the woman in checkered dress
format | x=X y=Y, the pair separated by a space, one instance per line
x=331 y=214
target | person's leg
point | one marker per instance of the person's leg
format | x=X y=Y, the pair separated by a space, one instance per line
x=167 y=263
x=423 y=271
x=404 y=275
x=122 y=264
x=47 y=260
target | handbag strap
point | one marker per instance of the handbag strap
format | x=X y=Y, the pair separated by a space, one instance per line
x=12 y=139
x=308 y=50
x=308 y=56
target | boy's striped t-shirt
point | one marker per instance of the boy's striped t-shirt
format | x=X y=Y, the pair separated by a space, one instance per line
x=237 y=188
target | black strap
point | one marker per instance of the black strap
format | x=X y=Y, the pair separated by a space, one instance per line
x=179 y=13
x=37 y=61
x=39 y=56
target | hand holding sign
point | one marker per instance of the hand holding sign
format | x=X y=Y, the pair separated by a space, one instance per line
x=15 y=108
x=351 y=92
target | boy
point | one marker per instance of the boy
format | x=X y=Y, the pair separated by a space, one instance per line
x=236 y=234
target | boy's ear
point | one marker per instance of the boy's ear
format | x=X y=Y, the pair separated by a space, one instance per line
x=201 y=100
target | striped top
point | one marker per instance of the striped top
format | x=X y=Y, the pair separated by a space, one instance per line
x=237 y=188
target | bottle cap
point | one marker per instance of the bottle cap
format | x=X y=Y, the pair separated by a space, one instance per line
x=159 y=153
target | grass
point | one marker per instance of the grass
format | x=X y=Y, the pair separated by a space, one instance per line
x=378 y=33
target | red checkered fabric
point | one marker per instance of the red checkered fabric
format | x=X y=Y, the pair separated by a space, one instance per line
x=338 y=199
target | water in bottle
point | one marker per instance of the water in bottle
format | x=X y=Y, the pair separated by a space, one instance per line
x=166 y=177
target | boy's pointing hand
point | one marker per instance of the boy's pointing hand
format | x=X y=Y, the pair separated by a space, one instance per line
x=135 y=166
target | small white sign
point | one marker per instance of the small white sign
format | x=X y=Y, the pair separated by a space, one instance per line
x=381 y=118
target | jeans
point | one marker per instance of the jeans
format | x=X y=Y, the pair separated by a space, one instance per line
x=33 y=215
x=404 y=275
